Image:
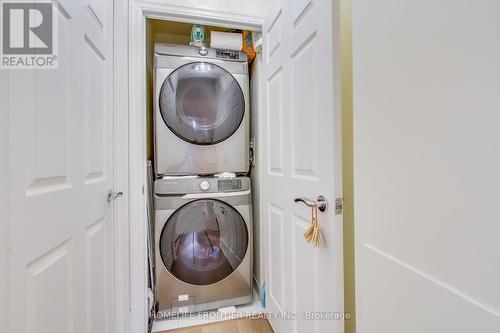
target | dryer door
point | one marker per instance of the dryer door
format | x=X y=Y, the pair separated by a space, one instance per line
x=203 y=242
x=202 y=103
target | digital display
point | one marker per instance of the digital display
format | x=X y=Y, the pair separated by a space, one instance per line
x=227 y=54
x=229 y=184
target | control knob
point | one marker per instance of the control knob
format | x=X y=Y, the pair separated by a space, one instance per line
x=203 y=51
x=204 y=185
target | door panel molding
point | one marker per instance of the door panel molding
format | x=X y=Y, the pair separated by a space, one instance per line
x=426 y=131
x=310 y=147
x=52 y=204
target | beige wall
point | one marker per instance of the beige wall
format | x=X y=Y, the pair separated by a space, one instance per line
x=347 y=162
x=177 y=32
x=149 y=90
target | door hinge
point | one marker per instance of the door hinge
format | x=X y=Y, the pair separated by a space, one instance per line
x=339 y=206
x=252 y=152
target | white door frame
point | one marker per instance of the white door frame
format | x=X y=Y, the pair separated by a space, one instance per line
x=131 y=96
x=121 y=225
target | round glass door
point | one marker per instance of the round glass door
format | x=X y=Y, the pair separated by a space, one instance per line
x=202 y=103
x=203 y=242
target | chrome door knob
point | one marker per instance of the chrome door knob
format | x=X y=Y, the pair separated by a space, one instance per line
x=321 y=202
x=111 y=196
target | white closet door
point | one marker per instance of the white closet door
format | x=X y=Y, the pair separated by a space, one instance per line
x=427 y=143
x=301 y=158
x=60 y=269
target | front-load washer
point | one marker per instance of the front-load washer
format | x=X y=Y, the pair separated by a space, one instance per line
x=201 y=110
x=203 y=243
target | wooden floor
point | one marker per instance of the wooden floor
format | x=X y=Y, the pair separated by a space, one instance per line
x=244 y=325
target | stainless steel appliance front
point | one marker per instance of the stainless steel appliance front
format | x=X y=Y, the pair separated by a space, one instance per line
x=203 y=238
x=201 y=112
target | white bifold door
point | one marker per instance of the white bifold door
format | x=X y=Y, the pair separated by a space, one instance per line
x=301 y=158
x=60 y=162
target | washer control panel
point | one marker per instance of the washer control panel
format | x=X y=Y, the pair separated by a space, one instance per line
x=196 y=184
x=229 y=184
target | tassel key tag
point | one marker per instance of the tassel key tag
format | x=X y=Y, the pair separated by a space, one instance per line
x=313 y=233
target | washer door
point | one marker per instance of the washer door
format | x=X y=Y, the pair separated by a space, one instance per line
x=203 y=242
x=202 y=103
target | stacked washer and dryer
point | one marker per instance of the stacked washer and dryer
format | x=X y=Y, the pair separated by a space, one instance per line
x=203 y=209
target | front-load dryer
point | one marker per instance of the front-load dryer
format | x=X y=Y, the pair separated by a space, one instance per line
x=201 y=110
x=203 y=243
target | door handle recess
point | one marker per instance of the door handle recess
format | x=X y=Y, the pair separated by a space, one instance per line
x=111 y=196
x=321 y=202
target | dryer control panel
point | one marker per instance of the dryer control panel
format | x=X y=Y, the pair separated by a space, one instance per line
x=227 y=54
x=194 y=184
x=165 y=49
